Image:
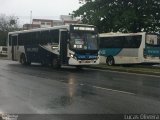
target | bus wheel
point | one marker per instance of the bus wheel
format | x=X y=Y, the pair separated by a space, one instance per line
x=55 y=63
x=110 y=61
x=23 y=59
x=28 y=63
x=43 y=63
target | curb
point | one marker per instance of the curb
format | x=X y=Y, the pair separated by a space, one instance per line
x=127 y=71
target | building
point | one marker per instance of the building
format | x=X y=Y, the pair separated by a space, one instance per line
x=68 y=19
x=30 y=26
x=43 y=23
x=57 y=22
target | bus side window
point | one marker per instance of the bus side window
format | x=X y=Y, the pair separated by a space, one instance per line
x=9 y=40
x=37 y=37
x=132 y=41
x=158 y=39
x=54 y=36
x=44 y=37
x=128 y=42
x=20 y=39
x=14 y=40
x=34 y=38
x=118 y=42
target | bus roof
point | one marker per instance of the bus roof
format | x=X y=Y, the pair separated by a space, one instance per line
x=39 y=29
x=120 y=34
x=48 y=28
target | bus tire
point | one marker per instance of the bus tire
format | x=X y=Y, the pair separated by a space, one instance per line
x=28 y=63
x=43 y=63
x=23 y=59
x=55 y=63
x=110 y=61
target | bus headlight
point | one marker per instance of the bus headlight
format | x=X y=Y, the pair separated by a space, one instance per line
x=54 y=47
x=72 y=55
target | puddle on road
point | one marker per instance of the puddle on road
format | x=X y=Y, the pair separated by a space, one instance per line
x=60 y=102
x=71 y=96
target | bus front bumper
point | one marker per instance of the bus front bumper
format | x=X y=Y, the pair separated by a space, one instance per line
x=73 y=61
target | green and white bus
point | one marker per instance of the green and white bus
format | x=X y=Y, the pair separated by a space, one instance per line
x=129 y=48
x=75 y=45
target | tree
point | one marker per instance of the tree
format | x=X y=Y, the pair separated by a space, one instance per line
x=7 y=24
x=121 y=15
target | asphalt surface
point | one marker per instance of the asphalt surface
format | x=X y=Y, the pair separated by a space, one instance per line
x=42 y=90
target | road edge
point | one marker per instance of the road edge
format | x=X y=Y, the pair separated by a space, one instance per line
x=126 y=70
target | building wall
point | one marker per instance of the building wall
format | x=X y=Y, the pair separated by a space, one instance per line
x=64 y=20
x=43 y=23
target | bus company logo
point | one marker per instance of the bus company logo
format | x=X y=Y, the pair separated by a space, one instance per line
x=153 y=51
x=9 y=117
x=92 y=57
x=32 y=49
x=102 y=52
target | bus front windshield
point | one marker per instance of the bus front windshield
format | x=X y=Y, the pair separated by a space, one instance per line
x=83 y=41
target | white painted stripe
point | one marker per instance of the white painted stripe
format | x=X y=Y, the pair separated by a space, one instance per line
x=108 y=89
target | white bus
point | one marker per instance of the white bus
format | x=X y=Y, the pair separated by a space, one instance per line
x=75 y=45
x=129 y=48
x=3 y=50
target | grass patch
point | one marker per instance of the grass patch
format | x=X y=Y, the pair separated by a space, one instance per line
x=143 y=69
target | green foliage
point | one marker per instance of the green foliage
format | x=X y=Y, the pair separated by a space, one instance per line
x=3 y=38
x=121 y=15
x=7 y=24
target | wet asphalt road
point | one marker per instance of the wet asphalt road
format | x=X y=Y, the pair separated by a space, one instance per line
x=41 y=90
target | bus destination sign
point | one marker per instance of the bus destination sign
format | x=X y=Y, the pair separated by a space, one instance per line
x=84 y=28
x=81 y=28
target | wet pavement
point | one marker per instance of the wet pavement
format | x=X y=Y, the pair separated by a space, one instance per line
x=42 y=90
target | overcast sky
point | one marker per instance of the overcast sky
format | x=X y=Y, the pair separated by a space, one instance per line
x=46 y=9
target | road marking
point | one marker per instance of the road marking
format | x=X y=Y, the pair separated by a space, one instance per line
x=108 y=89
x=139 y=74
x=81 y=84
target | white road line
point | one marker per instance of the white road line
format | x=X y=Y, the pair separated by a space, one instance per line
x=108 y=89
x=139 y=74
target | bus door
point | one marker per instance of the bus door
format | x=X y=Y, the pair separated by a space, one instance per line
x=14 y=42
x=63 y=46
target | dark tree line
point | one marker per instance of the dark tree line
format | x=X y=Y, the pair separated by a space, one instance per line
x=121 y=15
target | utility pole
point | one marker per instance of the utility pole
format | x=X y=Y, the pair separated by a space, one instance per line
x=31 y=18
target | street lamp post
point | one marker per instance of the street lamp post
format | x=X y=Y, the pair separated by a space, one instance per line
x=31 y=19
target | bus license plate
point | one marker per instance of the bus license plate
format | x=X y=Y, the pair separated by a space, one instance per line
x=86 y=61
